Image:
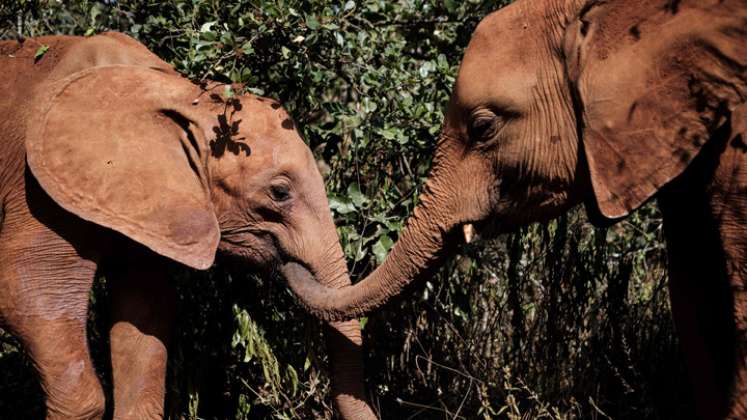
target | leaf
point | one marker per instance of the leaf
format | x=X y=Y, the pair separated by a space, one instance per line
x=382 y=247
x=43 y=48
x=306 y=364
x=206 y=27
x=356 y=196
x=389 y=133
x=293 y=377
x=209 y=36
x=312 y=23
x=427 y=68
x=341 y=205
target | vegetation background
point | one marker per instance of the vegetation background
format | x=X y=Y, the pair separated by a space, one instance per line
x=556 y=321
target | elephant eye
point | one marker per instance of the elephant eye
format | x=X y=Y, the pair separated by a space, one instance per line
x=484 y=126
x=280 y=192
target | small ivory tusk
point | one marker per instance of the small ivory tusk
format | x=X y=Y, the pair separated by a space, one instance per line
x=469 y=232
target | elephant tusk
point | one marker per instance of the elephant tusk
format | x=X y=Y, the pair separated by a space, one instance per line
x=469 y=232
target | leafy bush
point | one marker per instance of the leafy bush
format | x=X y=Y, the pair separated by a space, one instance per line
x=557 y=321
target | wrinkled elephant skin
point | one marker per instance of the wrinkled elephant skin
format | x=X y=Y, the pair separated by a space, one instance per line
x=111 y=162
x=610 y=104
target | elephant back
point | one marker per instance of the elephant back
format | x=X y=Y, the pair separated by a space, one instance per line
x=30 y=66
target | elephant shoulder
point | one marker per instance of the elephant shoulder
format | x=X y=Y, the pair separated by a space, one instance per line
x=109 y=48
x=28 y=62
x=26 y=65
x=30 y=65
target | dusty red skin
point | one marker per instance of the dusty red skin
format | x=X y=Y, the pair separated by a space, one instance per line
x=112 y=162
x=610 y=103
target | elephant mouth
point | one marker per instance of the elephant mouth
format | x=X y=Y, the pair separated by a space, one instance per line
x=478 y=230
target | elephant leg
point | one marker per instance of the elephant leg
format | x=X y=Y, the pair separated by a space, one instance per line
x=701 y=305
x=705 y=222
x=44 y=292
x=728 y=201
x=143 y=304
x=735 y=245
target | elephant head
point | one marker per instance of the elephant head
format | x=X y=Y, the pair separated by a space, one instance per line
x=556 y=103
x=188 y=171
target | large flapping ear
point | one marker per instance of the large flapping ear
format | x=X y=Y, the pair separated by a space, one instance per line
x=116 y=146
x=653 y=80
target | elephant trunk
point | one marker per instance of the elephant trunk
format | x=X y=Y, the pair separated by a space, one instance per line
x=344 y=341
x=416 y=255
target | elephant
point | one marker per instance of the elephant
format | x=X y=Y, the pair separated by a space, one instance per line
x=608 y=104
x=113 y=164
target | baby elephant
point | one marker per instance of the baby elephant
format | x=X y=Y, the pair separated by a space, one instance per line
x=112 y=163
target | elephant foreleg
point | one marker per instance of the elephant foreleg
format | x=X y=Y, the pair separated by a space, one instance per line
x=729 y=205
x=701 y=302
x=142 y=314
x=705 y=222
x=44 y=292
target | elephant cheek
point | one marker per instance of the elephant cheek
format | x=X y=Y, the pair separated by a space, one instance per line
x=476 y=187
x=248 y=250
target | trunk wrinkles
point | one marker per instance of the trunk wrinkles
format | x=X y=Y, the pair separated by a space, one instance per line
x=344 y=341
x=415 y=255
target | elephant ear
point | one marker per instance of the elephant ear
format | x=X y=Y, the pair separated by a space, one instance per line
x=118 y=146
x=652 y=80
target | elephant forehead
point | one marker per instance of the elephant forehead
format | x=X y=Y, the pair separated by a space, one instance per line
x=502 y=58
x=266 y=151
x=273 y=143
x=512 y=32
x=494 y=81
x=263 y=116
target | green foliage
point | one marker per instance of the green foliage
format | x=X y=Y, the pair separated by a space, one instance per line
x=557 y=321
x=40 y=52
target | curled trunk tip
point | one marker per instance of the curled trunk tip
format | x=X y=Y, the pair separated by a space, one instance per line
x=316 y=298
x=416 y=255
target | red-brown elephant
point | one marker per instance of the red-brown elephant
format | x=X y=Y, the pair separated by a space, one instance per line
x=609 y=103
x=110 y=161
